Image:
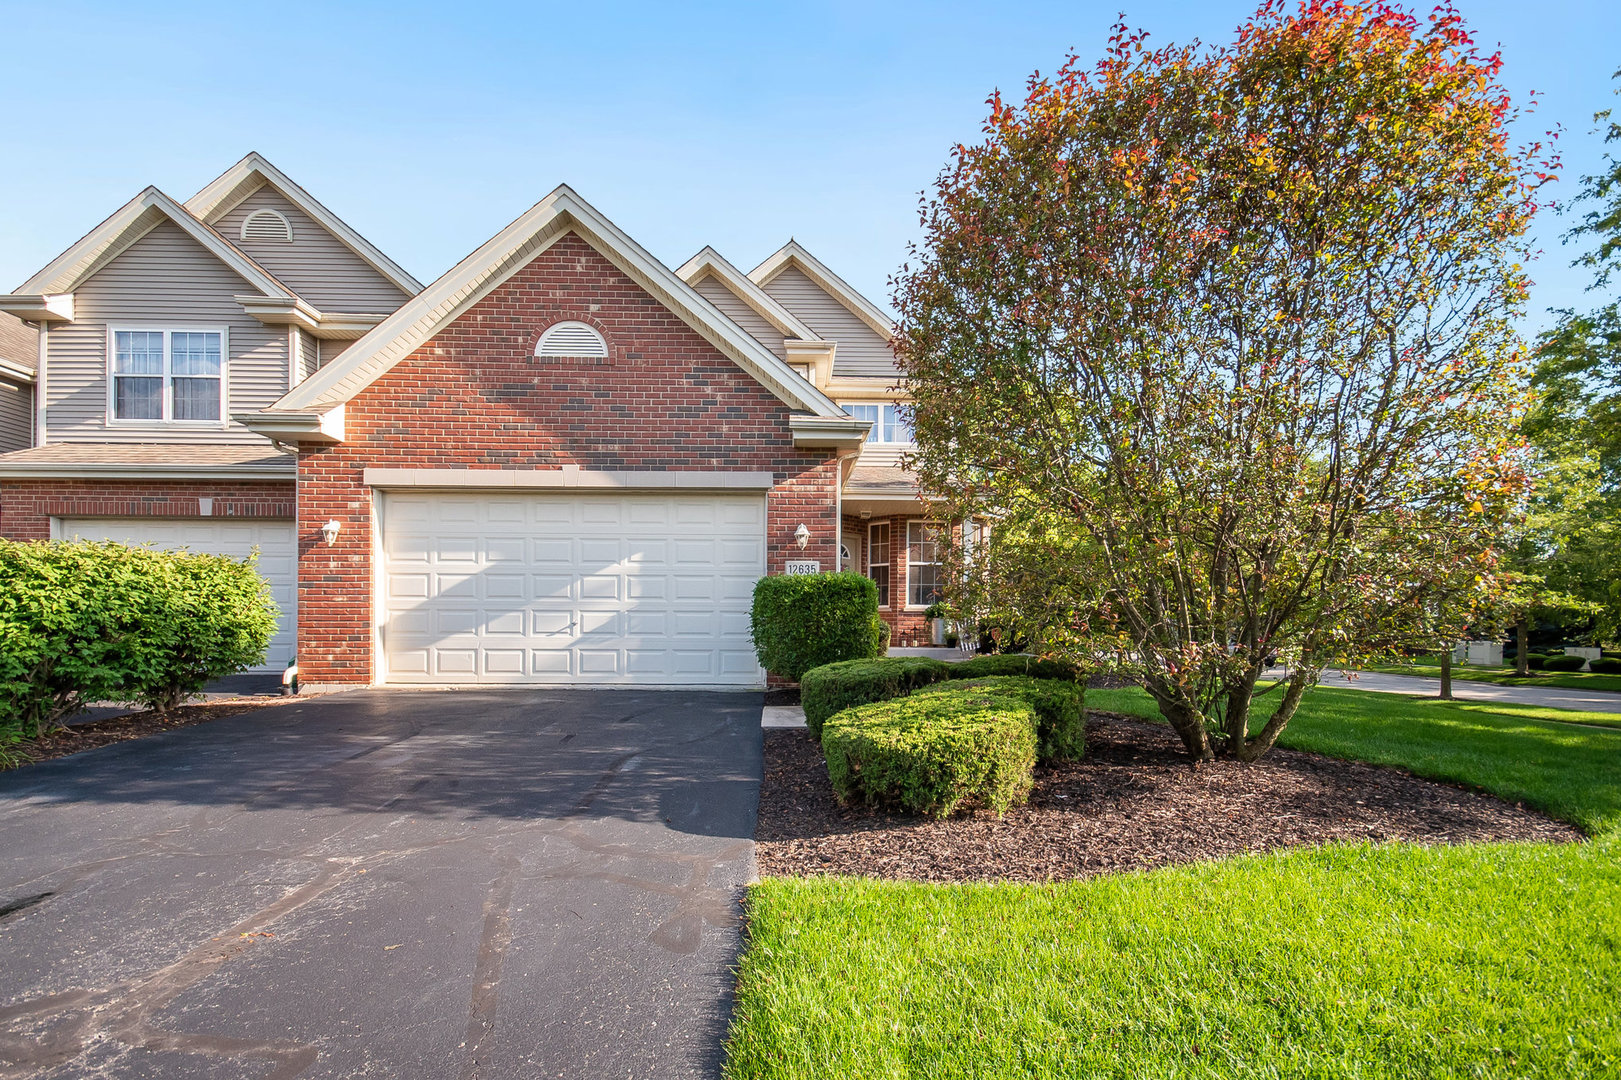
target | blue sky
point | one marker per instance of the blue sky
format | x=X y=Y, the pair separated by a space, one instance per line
x=428 y=127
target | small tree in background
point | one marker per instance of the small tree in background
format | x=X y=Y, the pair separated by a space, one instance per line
x=1222 y=341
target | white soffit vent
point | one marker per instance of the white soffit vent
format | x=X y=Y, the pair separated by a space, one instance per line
x=267 y=226
x=572 y=339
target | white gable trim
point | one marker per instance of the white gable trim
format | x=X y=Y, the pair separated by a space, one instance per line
x=227 y=191
x=709 y=263
x=560 y=213
x=791 y=254
x=128 y=224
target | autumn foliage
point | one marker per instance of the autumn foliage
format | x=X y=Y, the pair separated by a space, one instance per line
x=1221 y=340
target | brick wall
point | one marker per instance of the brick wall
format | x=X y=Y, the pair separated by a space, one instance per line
x=475 y=396
x=27 y=506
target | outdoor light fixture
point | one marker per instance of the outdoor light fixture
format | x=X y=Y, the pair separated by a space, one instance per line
x=802 y=536
x=865 y=514
x=329 y=531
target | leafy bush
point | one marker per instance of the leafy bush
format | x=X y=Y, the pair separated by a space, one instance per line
x=933 y=753
x=1607 y=665
x=833 y=688
x=1563 y=663
x=1534 y=661
x=86 y=622
x=1060 y=708
x=802 y=621
x=981 y=667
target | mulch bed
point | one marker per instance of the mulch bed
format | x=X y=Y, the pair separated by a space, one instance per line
x=71 y=740
x=1133 y=803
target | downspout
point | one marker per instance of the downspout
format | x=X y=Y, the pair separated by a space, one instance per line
x=39 y=384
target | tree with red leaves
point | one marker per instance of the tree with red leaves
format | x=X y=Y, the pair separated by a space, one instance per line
x=1222 y=342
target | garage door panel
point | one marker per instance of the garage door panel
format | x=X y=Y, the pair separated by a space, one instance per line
x=275 y=540
x=556 y=588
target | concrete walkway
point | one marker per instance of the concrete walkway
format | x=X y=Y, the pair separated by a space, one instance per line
x=1549 y=697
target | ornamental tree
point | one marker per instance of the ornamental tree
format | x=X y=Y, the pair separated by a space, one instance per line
x=1221 y=340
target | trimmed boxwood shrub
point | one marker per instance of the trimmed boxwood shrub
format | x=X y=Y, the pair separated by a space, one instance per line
x=833 y=688
x=802 y=621
x=1563 y=663
x=85 y=622
x=933 y=753
x=1605 y=665
x=981 y=667
x=1060 y=709
x=1534 y=661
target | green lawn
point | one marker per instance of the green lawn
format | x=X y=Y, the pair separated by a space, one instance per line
x=1477 y=961
x=1341 y=961
x=1430 y=666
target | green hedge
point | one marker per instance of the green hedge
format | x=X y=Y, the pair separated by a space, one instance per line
x=1534 y=661
x=802 y=621
x=85 y=622
x=1060 y=709
x=833 y=688
x=933 y=753
x=1563 y=663
x=981 y=667
x=1605 y=665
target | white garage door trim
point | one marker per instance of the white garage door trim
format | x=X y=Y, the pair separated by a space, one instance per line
x=276 y=539
x=601 y=587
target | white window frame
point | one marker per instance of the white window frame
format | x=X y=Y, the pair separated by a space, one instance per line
x=887 y=564
x=168 y=329
x=938 y=562
x=875 y=435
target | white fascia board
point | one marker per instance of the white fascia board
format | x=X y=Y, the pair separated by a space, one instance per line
x=281 y=311
x=16 y=372
x=126 y=471
x=558 y=214
x=134 y=219
x=791 y=254
x=710 y=263
x=228 y=190
x=572 y=478
x=39 y=307
x=829 y=431
x=285 y=426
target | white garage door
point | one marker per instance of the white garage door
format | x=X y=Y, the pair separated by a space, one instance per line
x=540 y=588
x=236 y=537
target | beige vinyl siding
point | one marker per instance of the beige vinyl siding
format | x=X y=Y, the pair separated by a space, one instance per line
x=860 y=351
x=316 y=265
x=16 y=416
x=713 y=290
x=164 y=279
x=309 y=355
x=881 y=454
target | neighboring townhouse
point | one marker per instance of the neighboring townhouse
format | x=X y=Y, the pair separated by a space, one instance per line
x=19 y=355
x=153 y=331
x=561 y=462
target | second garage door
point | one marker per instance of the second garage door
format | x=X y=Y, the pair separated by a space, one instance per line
x=543 y=588
x=237 y=537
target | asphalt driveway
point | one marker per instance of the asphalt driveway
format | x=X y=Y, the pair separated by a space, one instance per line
x=446 y=884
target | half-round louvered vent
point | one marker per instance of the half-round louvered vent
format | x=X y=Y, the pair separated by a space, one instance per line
x=572 y=339
x=267 y=226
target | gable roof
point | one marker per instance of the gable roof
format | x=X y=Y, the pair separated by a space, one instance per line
x=228 y=190
x=709 y=263
x=128 y=224
x=792 y=254
x=558 y=214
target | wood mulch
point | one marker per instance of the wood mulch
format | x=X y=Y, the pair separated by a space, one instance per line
x=88 y=736
x=1133 y=803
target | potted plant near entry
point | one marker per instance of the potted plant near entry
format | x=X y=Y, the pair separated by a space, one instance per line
x=936 y=614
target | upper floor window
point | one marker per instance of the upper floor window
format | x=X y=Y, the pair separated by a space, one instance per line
x=168 y=374
x=888 y=425
x=267 y=225
x=572 y=339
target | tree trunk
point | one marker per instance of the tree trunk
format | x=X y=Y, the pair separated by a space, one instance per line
x=1522 y=643
x=1188 y=722
x=1294 y=690
x=1446 y=674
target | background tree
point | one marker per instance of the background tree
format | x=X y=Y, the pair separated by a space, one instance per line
x=1222 y=342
